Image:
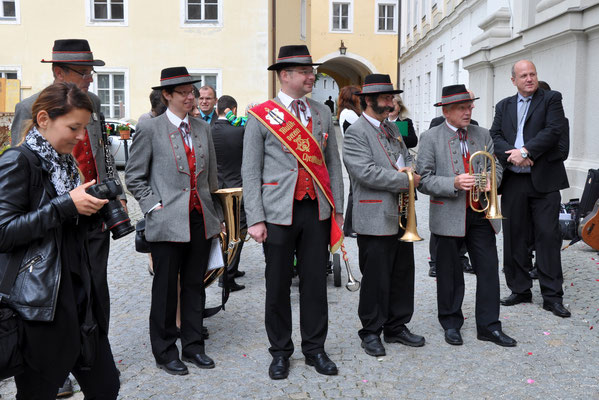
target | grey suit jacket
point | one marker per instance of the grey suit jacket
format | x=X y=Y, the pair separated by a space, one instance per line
x=269 y=171
x=158 y=172
x=439 y=161
x=370 y=157
x=94 y=130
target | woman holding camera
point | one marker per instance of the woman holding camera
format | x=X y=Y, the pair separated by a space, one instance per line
x=172 y=172
x=42 y=213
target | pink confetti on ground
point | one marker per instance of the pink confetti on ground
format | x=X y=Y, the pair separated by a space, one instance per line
x=571 y=284
x=245 y=355
x=120 y=361
x=530 y=381
x=591 y=327
x=546 y=333
x=530 y=353
x=365 y=380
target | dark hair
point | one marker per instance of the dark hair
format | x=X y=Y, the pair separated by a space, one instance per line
x=373 y=99
x=544 y=85
x=57 y=100
x=225 y=102
x=196 y=92
x=348 y=99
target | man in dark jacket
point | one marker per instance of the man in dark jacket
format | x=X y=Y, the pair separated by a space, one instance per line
x=526 y=131
x=228 y=144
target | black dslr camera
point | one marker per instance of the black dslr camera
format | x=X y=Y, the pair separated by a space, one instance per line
x=113 y=214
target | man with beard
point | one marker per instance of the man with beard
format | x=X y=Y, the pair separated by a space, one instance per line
x=377 y=158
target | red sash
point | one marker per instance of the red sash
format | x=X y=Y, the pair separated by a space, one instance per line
x=300 y=142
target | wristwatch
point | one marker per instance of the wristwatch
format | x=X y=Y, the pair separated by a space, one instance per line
x=523 y=153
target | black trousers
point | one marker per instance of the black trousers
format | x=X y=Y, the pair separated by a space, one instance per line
x=101 y=382
x=525 y=208
x=480 y=240
x=99 y=247
x=307 y=238
x=387 y=289
x=432 y=249
x=190 y=260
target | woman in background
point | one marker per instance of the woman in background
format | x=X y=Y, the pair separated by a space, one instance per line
x=348 y=107
x=399 y=116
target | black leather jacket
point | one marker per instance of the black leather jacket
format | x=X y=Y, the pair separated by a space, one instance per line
x=35 y=290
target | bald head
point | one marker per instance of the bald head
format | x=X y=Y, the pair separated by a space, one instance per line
x=524 y=77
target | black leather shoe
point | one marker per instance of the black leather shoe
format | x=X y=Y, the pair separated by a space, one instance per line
x=239 y=274
x=453 y=337
x=466 y=266
x=373 y=346
x=432 y=271
x=233 y=286
x=515 y=298
x=322 y=363
x=534 y=273
x=175 y=367
x=66 y=390
x=404 y=336
x=200 y=360
x=279 y=368
x=497 y=337
x=557 y=309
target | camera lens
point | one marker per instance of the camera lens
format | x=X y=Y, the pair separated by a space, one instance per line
x=116 y=219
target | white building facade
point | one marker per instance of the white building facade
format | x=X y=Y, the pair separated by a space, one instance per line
x=476 y=42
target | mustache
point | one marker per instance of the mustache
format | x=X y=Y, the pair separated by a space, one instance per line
x=381 y=109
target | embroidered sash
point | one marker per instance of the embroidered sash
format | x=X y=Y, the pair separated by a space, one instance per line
x=300 y=142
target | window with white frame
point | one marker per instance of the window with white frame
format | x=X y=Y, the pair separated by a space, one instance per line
x=303 y=19
x=9 y=11
x=209 y=78
x=111 y=88
x=9 y=74
x=341 y=16
x=108 y=10
x=386 y=17
x=202 y=10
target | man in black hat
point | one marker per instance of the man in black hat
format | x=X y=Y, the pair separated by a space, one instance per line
x=377 y=158
x=72 y=61
x=293 y=193
x=444 y=162
x=527 y=131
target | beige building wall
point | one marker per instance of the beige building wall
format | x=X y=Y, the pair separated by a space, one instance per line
x=153 y=36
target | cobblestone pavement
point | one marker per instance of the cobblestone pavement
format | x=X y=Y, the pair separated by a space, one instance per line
x=555 y=358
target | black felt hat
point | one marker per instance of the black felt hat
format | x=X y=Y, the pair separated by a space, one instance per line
x=73 y=51
x=454 y=94
x=378 y=84
x=175 y=76
x=294 y=55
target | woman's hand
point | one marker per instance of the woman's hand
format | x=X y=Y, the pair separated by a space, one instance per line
x=86 y=204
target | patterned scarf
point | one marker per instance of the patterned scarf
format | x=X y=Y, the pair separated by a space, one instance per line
x=64 y=174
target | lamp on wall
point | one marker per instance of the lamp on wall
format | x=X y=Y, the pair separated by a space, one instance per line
x=342 y=49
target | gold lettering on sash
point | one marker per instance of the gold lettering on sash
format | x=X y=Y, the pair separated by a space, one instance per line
x=287 y=127
x=312 y=159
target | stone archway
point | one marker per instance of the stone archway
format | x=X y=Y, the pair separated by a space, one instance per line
x=339 y=71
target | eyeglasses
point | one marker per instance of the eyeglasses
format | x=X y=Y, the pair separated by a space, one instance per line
x=184 y=94
x=84 y=75
x=304 y=72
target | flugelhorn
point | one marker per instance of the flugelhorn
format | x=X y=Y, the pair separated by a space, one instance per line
x=407 y=208
x=352 y=283
x=230 y=239
x=480 y=184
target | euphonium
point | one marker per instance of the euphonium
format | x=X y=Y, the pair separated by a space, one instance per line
x=230 y=239
x=407 y=208
x=480 y=184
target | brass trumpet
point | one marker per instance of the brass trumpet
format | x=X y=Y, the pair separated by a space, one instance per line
x=407 y=209
x=352 y=283
x=230 y=240
x=480 y=184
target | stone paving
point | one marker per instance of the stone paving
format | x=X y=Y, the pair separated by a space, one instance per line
x=555 y=358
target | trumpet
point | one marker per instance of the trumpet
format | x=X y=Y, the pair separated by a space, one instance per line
x=480 y=184
x=407 y=209
x=352 y=283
